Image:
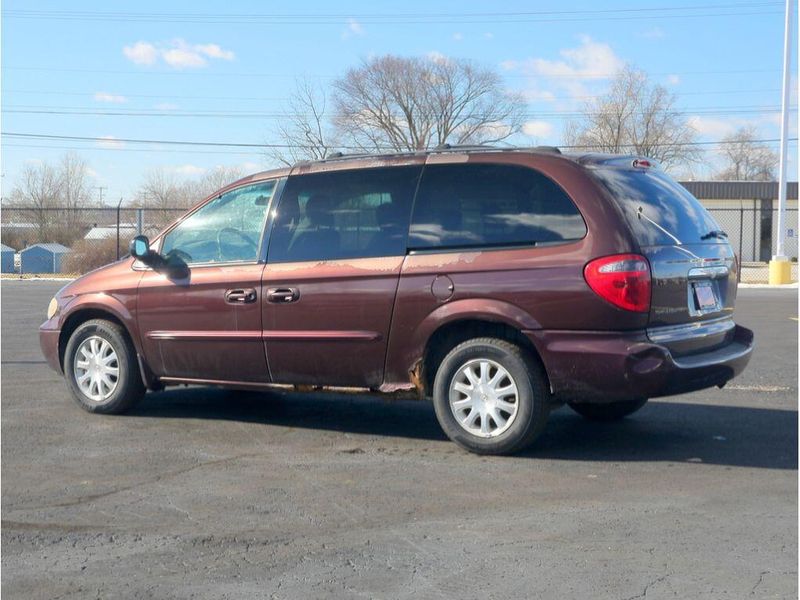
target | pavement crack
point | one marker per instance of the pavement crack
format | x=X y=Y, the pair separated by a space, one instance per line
x=647 y=587
x=156 y=479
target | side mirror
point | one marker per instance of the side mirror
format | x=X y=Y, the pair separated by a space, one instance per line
x=140 y=249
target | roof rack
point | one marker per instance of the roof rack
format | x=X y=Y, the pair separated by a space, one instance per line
x=334 y=156
x=457 y=147
x=553 y=149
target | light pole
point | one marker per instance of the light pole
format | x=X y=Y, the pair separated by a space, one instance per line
x=780 y=269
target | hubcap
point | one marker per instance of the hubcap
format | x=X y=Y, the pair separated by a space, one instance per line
x=484 y=398
x=96 y=368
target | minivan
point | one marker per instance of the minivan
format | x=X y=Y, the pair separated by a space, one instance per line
x=500 y=283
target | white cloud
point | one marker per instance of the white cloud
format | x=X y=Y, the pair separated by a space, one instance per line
x=181 y=58
x=437 y=57
x=106 y=97
x=109 y=141
x=458 y=36
x=673 y=79
x=141 y=53
x=166 y=106
x=716 y=128
x=539 y=95
x=189 y=170
x=509 y=65
x=177 y=53
x=214 y=51
x=251 y=167
x=590 y=60
x=354 y=28
x=488 y=35
x=654 y=33
x=539 y=129
x=577 y=68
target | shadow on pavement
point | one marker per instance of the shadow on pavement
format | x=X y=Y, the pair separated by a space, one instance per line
x=662 y=431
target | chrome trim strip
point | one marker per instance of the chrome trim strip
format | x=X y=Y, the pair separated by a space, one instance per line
x=676 y=333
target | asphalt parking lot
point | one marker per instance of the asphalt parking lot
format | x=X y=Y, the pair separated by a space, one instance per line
x=206 y=493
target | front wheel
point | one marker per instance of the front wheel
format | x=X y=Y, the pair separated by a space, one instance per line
x=490 y=396
x=613 y=411
x=101 y=369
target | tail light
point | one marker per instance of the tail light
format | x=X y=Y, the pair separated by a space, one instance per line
x=621 y=279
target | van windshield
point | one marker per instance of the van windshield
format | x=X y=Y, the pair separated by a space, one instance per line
x=659 y=210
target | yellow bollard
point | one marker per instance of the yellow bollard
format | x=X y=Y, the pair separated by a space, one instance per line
x=780 y=271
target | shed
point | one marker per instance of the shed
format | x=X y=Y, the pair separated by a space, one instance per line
x=42 y=258
x=110 y=231
x=6 y=259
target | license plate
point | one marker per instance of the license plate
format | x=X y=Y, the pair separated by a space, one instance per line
x=704 y=294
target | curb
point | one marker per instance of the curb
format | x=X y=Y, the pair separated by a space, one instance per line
x=768 y=286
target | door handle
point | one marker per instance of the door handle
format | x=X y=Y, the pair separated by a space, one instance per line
x=282 y=295
x=240 y=296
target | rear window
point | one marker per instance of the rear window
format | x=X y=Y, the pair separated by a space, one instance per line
x=484 y=205
x=659 y=210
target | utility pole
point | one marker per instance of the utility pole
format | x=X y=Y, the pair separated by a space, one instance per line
x=780 y=269
x=100 y=189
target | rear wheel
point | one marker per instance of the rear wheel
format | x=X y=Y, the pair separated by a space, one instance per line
x=490 y=396
x=101 y=369
x=612 y=411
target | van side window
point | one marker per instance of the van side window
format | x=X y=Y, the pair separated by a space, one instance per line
x=344 y=214
x=226 y=229
x=474 y=205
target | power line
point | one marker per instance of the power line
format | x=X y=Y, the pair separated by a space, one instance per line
x=260 y=116
x=251 y=145
x=222 y=151
x=284 y=98
x=624 y=14
x=120 y=149
x=207 y=74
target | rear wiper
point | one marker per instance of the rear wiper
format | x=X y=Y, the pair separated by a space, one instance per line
x=714 y=233
x=641 y=215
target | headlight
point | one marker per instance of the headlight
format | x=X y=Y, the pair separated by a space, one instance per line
x=52 y=308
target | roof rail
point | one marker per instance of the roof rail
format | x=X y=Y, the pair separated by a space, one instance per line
x=445 y=147
x=553 y=149
x=335 y=156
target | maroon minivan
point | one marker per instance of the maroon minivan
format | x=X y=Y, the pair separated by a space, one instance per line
x=501 y=283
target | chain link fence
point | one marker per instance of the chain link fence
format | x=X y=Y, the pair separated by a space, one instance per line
x=752 y=233
x=92 y=237
x=97 y=236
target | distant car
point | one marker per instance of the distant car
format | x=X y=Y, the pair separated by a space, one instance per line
x=501 y=283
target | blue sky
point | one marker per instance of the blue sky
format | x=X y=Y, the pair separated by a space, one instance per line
x=723 y=59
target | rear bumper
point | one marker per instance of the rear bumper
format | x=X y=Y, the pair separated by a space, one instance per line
x=611 y=366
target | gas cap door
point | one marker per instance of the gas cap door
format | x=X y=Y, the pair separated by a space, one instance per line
x=442 y=287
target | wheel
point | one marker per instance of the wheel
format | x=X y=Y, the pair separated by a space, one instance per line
x=101 y=369
x=612 y=411
x=490 y=396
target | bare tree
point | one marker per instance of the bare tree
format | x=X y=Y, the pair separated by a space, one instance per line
x=745 y=158
x=161 y=189
x=304 y=129
x=37 y=193
x=76 y=189
x=634 y=117
x=47 y=199
x=396 y=103
x=213 y=180
x=76 y=184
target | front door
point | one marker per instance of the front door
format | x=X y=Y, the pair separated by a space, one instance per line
x=334 y=261
x=205 y=323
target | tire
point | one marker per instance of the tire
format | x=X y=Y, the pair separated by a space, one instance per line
x=613 y=411
x=87 y=354
x=530 y=403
